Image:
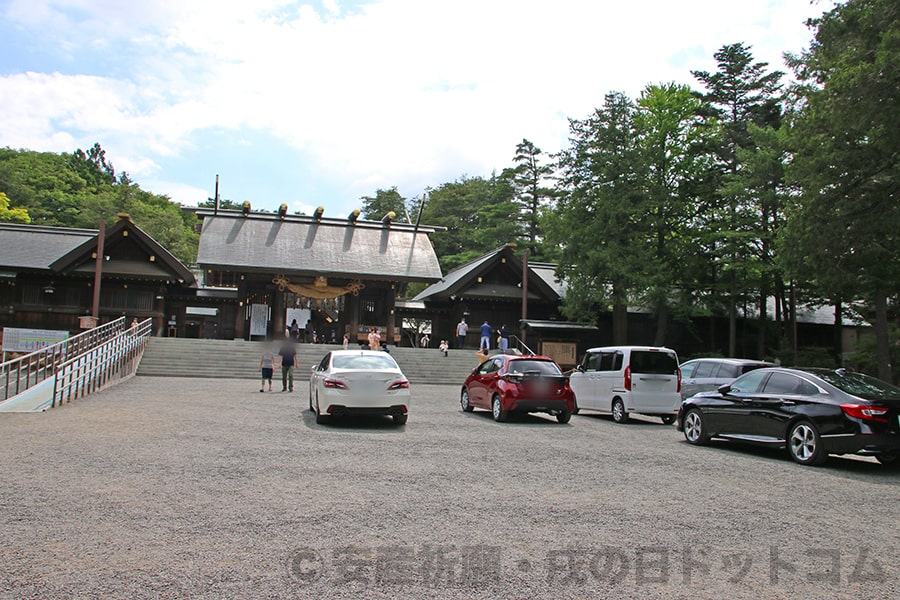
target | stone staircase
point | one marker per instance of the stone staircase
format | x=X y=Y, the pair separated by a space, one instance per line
x=239 y=359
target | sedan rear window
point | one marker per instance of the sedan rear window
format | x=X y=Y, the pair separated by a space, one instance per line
x=860 y=385
x=365 y=362
x=544 y=367
x=657 y=363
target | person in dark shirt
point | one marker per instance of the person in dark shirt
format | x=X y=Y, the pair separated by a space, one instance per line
x=504 y=338
x=289 y=361
x=485 y=337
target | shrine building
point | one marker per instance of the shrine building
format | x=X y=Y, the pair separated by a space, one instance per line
x=333 y=276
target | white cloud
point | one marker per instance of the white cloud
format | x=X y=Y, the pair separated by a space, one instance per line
x=391 y=92
x=186 y=195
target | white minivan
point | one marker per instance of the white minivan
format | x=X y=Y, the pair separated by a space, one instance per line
x=628 y=379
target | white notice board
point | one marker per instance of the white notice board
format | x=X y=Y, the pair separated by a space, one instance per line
x=259 y=319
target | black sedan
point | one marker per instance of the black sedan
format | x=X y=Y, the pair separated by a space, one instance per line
x=811 y=412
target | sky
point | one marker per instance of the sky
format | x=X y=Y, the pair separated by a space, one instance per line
x=321 y=102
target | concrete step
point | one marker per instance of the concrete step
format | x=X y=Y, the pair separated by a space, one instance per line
x=239 y=359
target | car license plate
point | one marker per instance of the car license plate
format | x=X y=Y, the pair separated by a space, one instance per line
x=541 y=388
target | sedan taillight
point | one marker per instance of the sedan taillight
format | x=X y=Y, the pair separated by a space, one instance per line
x=399 y=385
x=866 y=412
x=336 y=384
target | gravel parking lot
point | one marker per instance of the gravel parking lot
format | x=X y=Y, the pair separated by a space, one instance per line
x=173 y=488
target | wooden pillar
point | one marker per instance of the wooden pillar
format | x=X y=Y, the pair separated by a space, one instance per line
x=159 y=322
x=353 y=316
x=277 y=314
x=98 y=270
x=523 y=331
x=392 y=315
x=240 y=313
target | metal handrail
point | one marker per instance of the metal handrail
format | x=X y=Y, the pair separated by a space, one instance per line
x=520 y=344
x=20 y=374
x=98 y=367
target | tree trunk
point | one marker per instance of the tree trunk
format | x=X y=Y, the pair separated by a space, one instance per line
x=839 y=332
x=732 y=321
x=763 y=317
x=620 y=317
x=882 y=337
x=779 y=314
x=793 y=312
x=662 y=321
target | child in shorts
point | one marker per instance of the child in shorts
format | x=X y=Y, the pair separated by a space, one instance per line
x=266 y=368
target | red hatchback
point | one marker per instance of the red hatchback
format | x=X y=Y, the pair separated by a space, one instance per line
x=514 y=383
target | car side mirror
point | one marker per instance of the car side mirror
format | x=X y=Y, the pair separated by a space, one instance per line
x=580 y=368
x=724 y=389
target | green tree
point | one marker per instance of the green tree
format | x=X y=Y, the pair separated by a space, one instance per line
x=763 y=192
x=12 y=215
x=598 y=221
x=224 y=204
x=81 y=189
x=668 y=160
x=740 y=93
x=528 y=180
x=375 y=207
x=476 y=214
x=844 y=230
x=45 y=184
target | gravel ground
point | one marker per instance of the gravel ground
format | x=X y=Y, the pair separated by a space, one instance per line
x=173 y=488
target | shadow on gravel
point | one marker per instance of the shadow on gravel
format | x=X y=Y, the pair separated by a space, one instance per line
x=526 y=419
x=636 y=421
x=855 y=468
x=370 y=424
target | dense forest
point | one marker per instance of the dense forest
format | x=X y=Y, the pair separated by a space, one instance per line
x=689 y=201
x=81 y=189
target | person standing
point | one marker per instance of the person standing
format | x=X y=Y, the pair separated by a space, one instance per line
x=289 y=360
x=374 y=339
x=485 y=337
x=295 y=330
x=424 y=341
x=461 y=330
x=504 y=338
x=346 y=340
x=266 y=368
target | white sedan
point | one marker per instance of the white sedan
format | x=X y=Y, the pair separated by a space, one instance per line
x=358 y=382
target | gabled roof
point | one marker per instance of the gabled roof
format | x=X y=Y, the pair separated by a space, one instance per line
x=37 y=247
x=310 y=246
x=69 y=250
x=163 y=266
x=547 y=272
x=463 y=281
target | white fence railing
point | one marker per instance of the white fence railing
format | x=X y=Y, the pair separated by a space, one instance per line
x=76 y=366
x=20 y=374
x=114 y=359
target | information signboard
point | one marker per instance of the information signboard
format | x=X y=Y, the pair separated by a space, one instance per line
x=259 y=319
x=28 y=340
